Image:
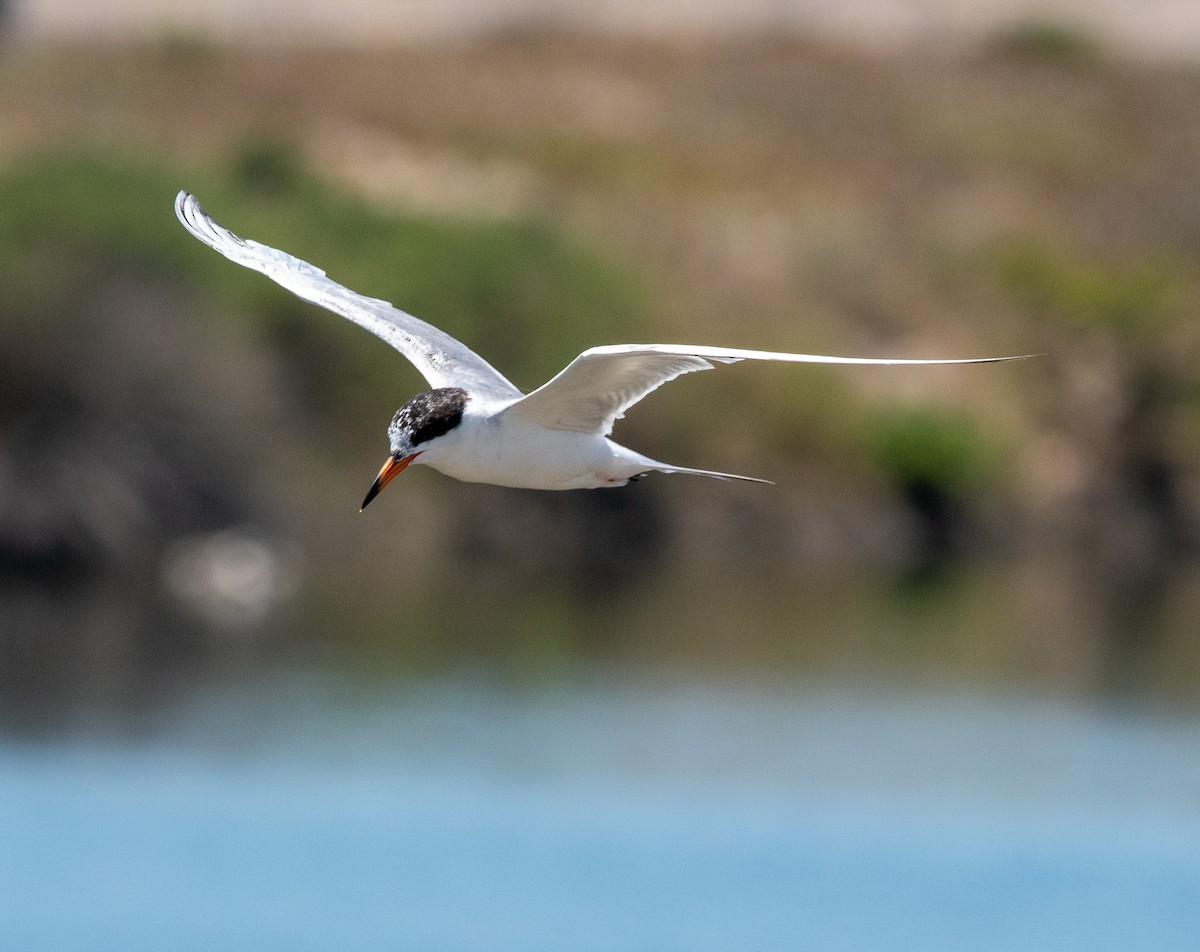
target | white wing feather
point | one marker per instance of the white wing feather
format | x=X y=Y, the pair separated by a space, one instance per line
x=442 y=360
x=593 y=391
x=588 y=396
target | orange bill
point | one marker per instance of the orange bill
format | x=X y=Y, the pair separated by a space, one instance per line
x=394 y=466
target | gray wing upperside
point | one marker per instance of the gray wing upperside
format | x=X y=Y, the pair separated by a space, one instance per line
x=442 y=360
x=593 y=391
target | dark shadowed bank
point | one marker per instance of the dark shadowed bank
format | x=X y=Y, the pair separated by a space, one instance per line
x=183 y=446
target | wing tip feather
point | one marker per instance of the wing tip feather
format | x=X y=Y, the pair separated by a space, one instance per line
x=194 y=218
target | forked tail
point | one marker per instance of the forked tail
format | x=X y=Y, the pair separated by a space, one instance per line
x=664 y=468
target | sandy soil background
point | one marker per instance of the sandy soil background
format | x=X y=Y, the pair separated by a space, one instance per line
x=1151 y=28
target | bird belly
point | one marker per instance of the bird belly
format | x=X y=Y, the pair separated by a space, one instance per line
x=527 y=457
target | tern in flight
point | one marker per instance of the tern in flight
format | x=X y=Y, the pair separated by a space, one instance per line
x=474 y=424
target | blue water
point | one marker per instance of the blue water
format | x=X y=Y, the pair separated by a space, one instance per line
x=607 y=814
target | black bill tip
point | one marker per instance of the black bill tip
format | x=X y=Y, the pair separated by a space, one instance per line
x=371 y=493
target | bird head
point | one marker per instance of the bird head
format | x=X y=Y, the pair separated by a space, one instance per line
x=422 y=419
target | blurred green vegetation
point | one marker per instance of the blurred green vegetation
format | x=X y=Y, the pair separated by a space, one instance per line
x=935 y=446
x=1129 y=296
x=1050 y=42
x=522 y=288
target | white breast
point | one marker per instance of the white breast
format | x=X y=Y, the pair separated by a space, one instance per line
x=488 y=447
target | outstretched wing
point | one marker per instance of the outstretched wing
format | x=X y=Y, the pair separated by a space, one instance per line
x=442 y=360
x=593 y=391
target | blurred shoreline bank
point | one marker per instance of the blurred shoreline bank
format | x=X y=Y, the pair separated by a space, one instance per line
x=182 y=446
